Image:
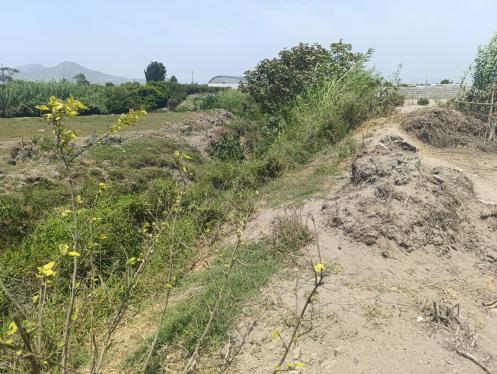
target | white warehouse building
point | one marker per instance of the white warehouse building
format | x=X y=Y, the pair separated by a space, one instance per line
x=226 y=81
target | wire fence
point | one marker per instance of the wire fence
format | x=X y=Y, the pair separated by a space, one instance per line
x=487 y=112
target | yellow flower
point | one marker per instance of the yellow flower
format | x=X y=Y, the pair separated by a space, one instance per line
x=47 y=270
x=65 y=213
x=63 y=248
x=12 y=329
x=275 y=334
x=103 y=236
x=295 y=365
x=319 y=267
x=79 y=200
x=131 y=261
x=73 y=254
x=126 y=120
x=102 y=186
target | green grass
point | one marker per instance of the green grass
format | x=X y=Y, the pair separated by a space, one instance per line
x=256 y=263
x=128 y=168
x=186 y=320
x=12 y=129
x=312 y=180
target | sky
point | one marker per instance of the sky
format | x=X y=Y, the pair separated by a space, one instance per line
x=432 y=40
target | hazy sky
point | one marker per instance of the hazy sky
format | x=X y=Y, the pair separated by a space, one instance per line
x=432 y=39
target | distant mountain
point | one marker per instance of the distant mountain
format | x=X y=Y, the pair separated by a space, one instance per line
x=67 y=70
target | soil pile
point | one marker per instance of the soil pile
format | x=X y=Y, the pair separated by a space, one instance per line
x=393 y=199
x=32 y=149
x=442 y=128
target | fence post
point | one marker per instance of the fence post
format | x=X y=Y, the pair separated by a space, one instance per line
x=490 y=117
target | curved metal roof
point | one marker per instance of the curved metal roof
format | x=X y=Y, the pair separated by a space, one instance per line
x=226 y=79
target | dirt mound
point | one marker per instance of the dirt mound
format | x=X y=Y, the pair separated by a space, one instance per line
x=31 y=149
x=393 y=199
x=213 y=118
x=441 y=128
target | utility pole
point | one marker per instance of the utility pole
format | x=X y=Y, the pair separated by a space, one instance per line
x=192 y=77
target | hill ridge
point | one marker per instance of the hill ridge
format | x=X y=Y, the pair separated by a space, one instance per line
x=67 y=70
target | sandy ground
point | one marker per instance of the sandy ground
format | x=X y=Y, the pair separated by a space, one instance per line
x=374 y=312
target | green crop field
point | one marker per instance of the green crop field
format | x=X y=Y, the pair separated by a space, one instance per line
x=17 y=128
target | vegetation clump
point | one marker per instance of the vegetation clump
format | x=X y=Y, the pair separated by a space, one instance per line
x=484 y=87
x=423 y=101
x=274 y=83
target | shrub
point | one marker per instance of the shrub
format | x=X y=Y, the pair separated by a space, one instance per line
x=234 y=101
x=194 y=88
x=120 y=99
x=276 y=82
x=326 y=112
x=227 y=147
x=423 y=101
x=176 y=94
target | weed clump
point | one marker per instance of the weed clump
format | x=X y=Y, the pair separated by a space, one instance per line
x=290 y=233
x=423 y=101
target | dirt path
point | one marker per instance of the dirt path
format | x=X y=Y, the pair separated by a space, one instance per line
x=374 y=314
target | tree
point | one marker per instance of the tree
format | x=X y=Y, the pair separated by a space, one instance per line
x=173 y=79
x=155 y=72
x=275 y=82
x=485 y=66
x=445 y=81
x=81 y=79
x=6 y=74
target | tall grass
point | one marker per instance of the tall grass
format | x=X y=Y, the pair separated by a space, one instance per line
x=19 y=98
x=326 y=112
x=317 y=119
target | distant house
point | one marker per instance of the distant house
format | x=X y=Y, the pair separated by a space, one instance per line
x=226 y=81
